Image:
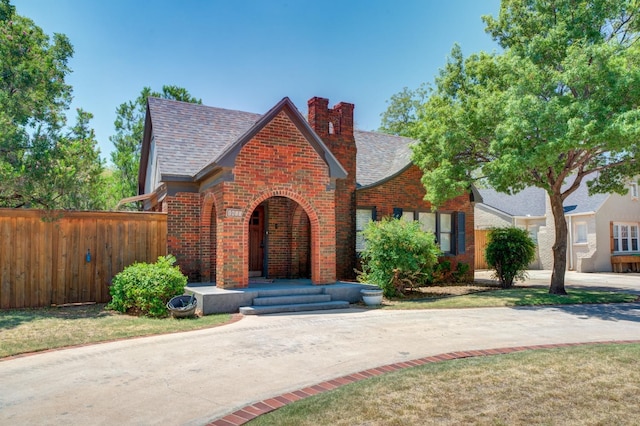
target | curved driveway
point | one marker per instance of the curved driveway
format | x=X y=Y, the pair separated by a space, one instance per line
x=196 y=377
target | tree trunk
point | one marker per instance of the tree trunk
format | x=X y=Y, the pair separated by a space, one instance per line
x=559 y=247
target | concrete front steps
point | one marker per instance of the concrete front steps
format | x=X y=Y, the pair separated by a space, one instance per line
x=270 y=301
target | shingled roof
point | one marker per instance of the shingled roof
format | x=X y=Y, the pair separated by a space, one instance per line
x=188 y=137
x=531 y=201
x=380 y=156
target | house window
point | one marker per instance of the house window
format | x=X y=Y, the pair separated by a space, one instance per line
x=625 y=237
x=427 y=221
x=408 y=216
x=444 y=232
x=581 y=233
x=363 y=217
x=633 y=190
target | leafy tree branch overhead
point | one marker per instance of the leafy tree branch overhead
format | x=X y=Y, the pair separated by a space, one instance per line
x=558 y=105
x=42 y=164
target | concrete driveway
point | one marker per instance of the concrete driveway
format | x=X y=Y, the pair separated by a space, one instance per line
x=195 y=377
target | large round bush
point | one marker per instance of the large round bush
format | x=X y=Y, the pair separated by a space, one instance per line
x=397 y=254
x=145 y=289
x=509 y=252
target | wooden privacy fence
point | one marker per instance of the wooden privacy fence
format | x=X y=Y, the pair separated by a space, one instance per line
x=481 y=244
x=71 y=257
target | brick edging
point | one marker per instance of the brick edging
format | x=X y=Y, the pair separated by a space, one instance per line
x=250 y=412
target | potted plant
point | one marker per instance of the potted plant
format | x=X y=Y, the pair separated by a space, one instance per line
x=371 y=296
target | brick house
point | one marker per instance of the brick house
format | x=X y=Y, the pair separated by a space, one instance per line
x=277 y=196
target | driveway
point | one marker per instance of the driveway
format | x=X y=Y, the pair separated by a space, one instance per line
x=195 y=377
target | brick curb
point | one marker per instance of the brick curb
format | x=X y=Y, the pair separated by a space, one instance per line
x=250 y=412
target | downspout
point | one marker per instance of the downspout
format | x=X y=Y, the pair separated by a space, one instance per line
x=570 y=242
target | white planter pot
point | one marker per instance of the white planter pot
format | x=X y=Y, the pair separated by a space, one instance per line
x=371 y=297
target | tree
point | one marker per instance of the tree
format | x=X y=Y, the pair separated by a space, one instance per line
x=127 y=140
x=559 y=105
x=401 y=117
x=42 y=164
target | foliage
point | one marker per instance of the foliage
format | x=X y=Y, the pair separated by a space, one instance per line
x=401 y=117
x=146 y=288
x=42 y=164
x=129 y=126
x=558 y=106
x=397 y=254
x=509 y=252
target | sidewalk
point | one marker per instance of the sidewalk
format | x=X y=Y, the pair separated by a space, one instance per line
x=196 y=377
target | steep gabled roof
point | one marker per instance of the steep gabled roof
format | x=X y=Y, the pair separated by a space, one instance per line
x=189 y=136
x=192 y=139
x=380 y=156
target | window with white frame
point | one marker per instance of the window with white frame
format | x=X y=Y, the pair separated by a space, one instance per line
x=363 y=217
x=444 y=232
x=409 y=216
x=625 y=237
x=580 y=233
x=427 y=221
x=633 y=190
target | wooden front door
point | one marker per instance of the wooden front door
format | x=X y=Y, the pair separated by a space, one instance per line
x=256 y=243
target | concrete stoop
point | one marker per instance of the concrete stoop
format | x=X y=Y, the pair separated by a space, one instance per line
x=292 y=300
x=280 y=296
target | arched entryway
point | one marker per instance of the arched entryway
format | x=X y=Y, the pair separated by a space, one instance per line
x=279 y=234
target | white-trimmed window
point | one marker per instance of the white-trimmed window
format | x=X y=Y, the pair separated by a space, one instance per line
x=580 y=233
x=427 y=221
x=363 y=217
x=445 y=231
x=625 y=237
x=633 y=190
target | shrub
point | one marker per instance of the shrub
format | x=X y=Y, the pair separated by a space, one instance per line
x=398 y=254
x=145 y=289
x=509 y=251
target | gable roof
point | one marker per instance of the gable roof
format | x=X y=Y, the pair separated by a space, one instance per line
x=380 y=156
x=192 y=139
x=531 y=201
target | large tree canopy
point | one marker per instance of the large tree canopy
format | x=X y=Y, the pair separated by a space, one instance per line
x=560 y=104
x=41 y=164
x=127 y=140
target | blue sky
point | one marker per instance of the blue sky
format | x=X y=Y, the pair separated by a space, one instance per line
x=249 y=54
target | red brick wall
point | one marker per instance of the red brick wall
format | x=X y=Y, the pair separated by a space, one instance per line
x=183 y=231
x=277 y=162
x=335 y=127
x=407 y=192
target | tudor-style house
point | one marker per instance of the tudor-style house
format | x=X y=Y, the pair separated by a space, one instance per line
x=274 y=195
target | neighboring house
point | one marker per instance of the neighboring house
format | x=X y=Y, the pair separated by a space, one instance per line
x=277 y=196
x=603 y=228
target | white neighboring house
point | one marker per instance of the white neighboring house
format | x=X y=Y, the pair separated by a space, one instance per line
x=604 y=229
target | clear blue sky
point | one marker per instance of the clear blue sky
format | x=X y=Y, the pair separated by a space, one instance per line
x=249 y=54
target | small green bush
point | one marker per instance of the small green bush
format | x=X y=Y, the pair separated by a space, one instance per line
x=509 y=251
x=145 y=289
x=398 y=254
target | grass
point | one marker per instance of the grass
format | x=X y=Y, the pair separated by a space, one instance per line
x=585 y=385
x=32 y=330
x=520 y=296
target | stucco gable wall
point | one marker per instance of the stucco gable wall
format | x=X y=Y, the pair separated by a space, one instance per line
x=617 y=208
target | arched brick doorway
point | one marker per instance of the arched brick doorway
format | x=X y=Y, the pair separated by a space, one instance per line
x=294 y=245
x=279 y=239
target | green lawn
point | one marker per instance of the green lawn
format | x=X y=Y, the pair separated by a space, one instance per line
x=525 y=296
x=584 y=385
x=31 y=330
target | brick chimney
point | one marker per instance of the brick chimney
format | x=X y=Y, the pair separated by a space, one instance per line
x=335 y=127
